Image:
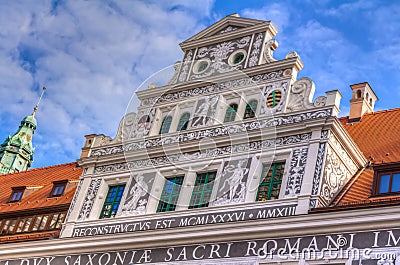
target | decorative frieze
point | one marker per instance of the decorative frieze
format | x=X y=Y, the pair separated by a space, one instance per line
x=336 y=175
x=89 y=199
x=216 y=88
x=224 y=130
x=296 y=172
x=342 y=153
x=318 y=168
x=208 y=153
x=187 y=61
x=256 y=50
x=76 y=195
x=218 y=57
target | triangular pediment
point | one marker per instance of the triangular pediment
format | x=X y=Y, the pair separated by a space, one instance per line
x=228 y=24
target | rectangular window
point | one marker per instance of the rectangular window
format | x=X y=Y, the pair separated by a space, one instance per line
x=388 y=182
x=202 y=190
x=58 y=189
x=112 y=201
x=271 y=181
x=16 y=195
x=170 y=194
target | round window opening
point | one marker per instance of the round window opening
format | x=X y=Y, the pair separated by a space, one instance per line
x=274 y=98
x=238 y=58
x=201 y=66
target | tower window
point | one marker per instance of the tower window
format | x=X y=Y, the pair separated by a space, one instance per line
x=250 y=111
x=166 y=124
x=113 y=199
x=16 y=194
x=170 y=194
x=183 y=122
x=202 y=190
x=230 y=113
x=270 y=185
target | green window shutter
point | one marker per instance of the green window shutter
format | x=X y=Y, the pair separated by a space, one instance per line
x=166 y=124
x=183 y=122
x=271 y=181
x=170 y=194
x=230 y=114
x=112 y=201
x=250 y=111
x=202 y=190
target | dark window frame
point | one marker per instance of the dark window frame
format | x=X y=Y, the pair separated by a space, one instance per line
x=380 y=171
x=17 y=191
x=168 y=200
x=273 y=167
x=202 y=188
x=116 y=201
x=58 y=189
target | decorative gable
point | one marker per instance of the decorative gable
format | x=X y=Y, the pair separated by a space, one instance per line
x=230 y=24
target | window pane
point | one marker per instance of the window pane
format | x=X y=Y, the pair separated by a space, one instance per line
x=53 y=221
x=202 y=190
x=27 y=224
x=183 y=122
x=230 y=114
x=20 y=225
x=384 y=183
x=11 y=226
x=112 y=201
x=396 y=182
x=37 y=222
x=5 y=227
x=60 y=220
x=271 y=181
x=166 y=124
x=170 y=194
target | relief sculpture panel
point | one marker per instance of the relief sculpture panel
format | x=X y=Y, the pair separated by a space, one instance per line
x=233 y=179
x=138 y=195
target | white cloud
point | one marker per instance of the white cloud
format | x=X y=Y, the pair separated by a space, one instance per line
x=91 y=56
x=278 y=13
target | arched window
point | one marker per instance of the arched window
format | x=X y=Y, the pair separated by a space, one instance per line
x=183 y=122
x=230 y=114
x=251 y=108
x=358 y=93
x=166 y=124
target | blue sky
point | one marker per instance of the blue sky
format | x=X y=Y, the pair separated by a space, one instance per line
x=92 y=55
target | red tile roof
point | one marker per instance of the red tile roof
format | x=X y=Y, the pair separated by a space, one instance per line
x=39 y=198
x=378 y=137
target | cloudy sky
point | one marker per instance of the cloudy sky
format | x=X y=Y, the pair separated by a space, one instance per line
x=93 y=55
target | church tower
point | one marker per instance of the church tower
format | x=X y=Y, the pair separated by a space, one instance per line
x=16 y=152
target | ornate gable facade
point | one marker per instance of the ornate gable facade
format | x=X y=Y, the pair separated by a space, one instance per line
x=233 y=161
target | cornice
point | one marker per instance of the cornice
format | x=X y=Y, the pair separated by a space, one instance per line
x=197 y=43
x=301 y=225
x=290 y=63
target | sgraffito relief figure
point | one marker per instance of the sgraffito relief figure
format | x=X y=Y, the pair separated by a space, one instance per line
x=233 y=182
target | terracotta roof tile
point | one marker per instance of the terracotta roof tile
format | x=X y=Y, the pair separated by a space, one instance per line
x=378 y=137
x=39 y=198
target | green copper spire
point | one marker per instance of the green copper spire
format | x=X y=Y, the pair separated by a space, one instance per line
x=16 y=152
